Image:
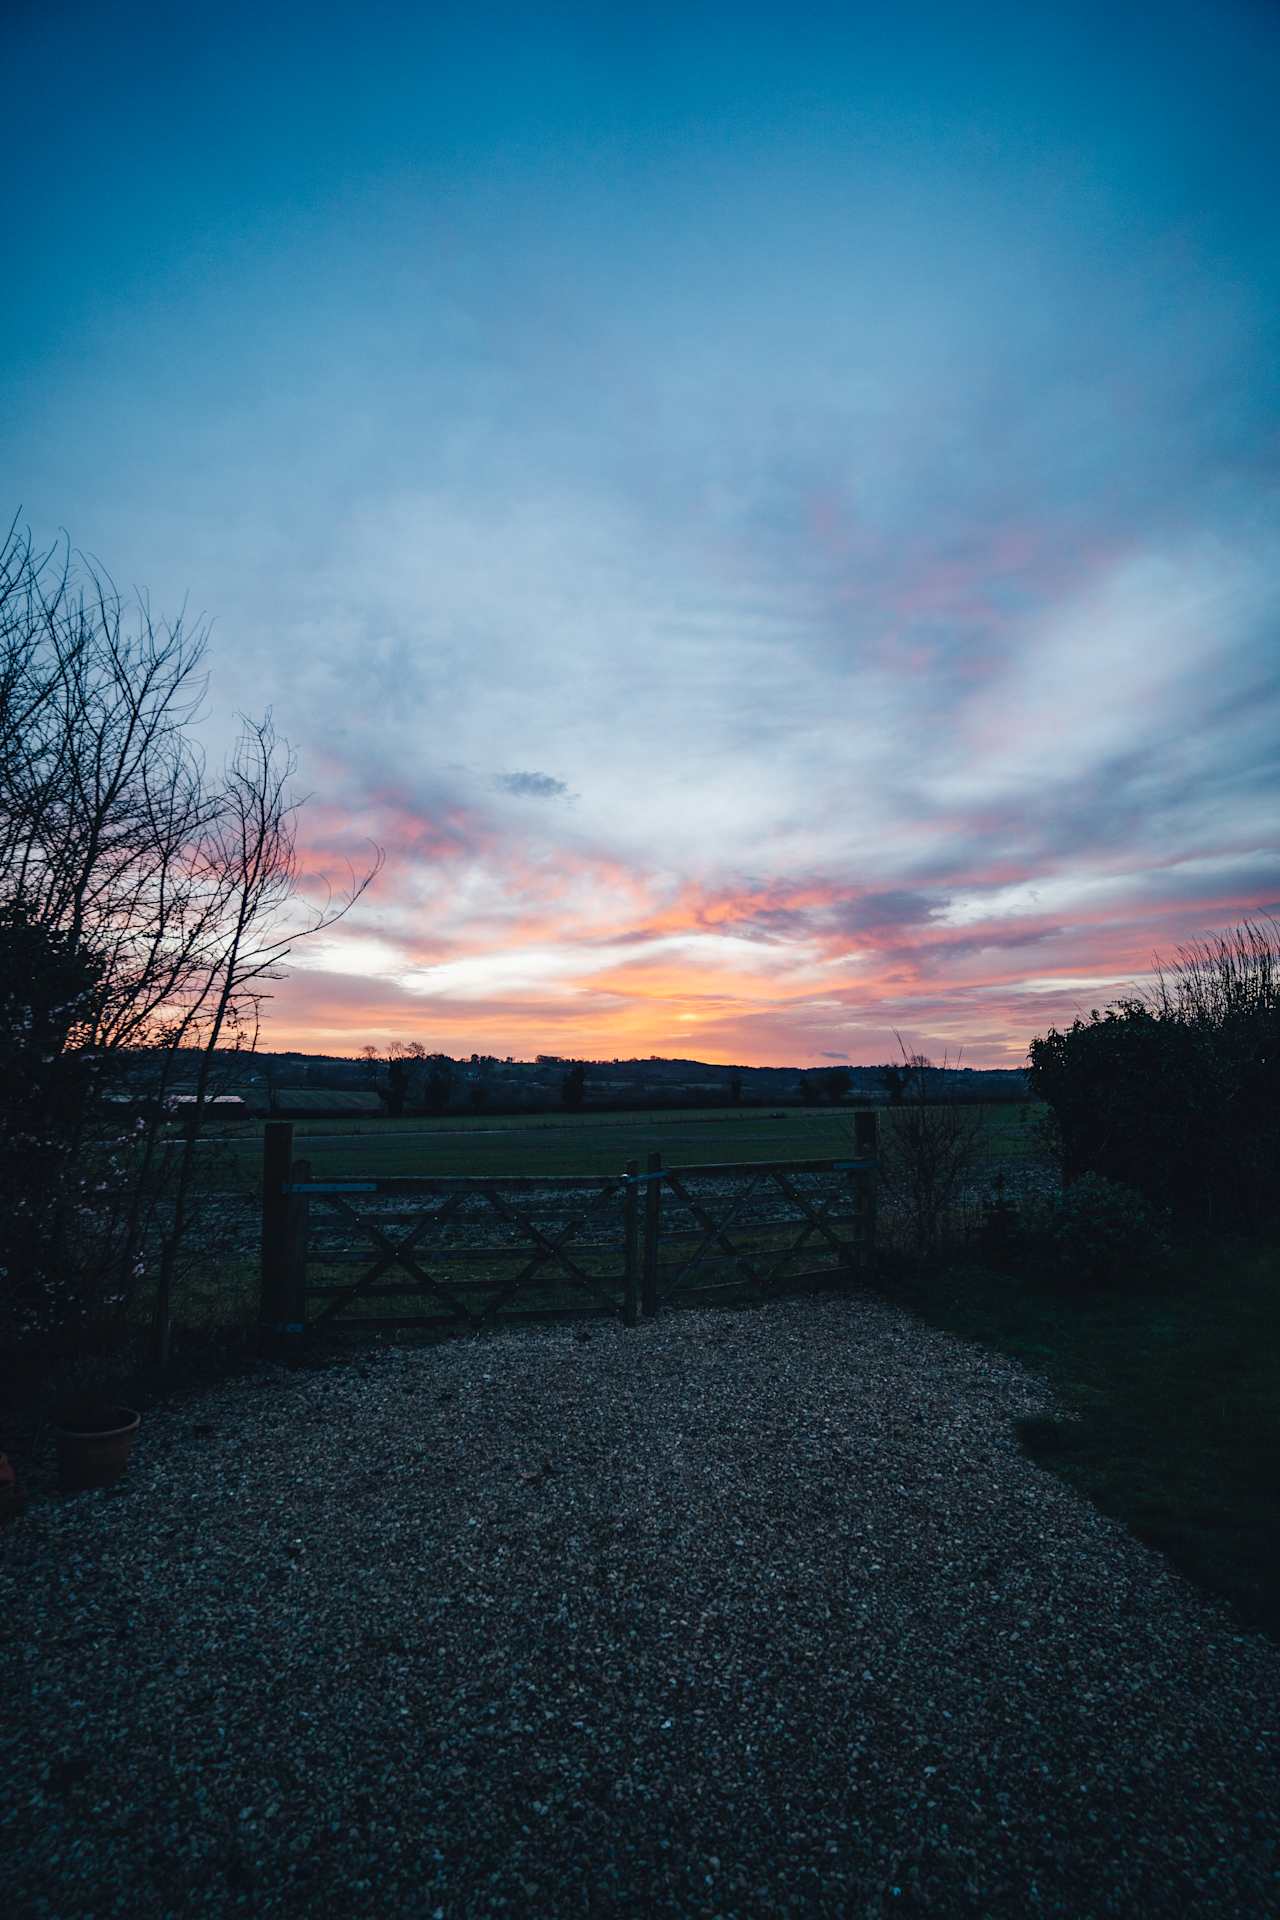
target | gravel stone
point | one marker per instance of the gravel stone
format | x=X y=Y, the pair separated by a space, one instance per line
x=748 y=1613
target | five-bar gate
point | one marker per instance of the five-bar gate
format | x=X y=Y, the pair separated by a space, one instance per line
x=467 y=1251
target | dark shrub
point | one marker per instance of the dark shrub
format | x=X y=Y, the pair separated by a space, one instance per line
x=1178 y=1093
x=52 y=1244
x=1103 y=1236
x=1125 y=1093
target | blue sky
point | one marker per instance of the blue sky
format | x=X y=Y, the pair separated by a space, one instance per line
x=770 y=517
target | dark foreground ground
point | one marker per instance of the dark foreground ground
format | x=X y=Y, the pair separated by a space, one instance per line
x=735 y=1614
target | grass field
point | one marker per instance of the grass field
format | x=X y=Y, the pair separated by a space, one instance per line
x=572 y=1143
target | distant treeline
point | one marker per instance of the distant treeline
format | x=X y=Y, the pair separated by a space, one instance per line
x=411 y=1081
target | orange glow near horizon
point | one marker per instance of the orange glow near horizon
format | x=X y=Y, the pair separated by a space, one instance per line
x=981 y=991
x=476 y=941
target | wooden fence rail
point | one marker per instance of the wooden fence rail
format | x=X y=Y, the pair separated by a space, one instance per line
x=475 y=1249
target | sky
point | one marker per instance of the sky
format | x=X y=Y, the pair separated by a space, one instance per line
x=768 y=516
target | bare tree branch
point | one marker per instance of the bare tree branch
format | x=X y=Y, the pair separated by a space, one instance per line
x=115 y=841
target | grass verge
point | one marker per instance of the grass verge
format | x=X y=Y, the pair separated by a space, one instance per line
x=1178 y=1394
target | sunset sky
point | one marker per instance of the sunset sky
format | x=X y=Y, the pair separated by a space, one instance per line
x=768 y=516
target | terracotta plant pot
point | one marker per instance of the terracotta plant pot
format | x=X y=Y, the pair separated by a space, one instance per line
x=94 y=1444
x=11 y=1501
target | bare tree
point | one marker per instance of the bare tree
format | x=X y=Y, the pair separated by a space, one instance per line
x=391 y=1072
x=100 y=799
x=103 y=792
x=929 y=1147
x=246 y=871
x=116 y=842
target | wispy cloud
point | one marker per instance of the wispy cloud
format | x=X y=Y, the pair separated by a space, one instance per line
x=776 y=549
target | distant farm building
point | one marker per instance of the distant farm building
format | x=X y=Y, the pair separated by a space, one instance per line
x=227 y=1103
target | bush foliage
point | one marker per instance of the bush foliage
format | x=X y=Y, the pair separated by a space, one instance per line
x=1176 y=1094
x=48 y=994
x=1102 y=1235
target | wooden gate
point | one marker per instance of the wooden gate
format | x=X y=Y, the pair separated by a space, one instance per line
x=468 y=1251
x=755 y=1230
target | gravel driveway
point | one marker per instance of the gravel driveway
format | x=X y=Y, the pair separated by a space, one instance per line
x=735 y=1614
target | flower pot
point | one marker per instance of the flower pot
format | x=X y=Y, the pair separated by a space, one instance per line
x=10 y=1492
x=94 y=1444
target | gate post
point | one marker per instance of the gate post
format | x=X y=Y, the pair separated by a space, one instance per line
x=652 y=1233
x=277 y=1158
x=866 y=1134
x=284 y=1240
x=631 y=1247
x=299 y=1221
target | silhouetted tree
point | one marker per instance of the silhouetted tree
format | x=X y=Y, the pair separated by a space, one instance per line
x=390 y=1074
x=927 y=1151
x=438 y=1082
x=573 y=1087
x=396 y=1092
x=173 y=886
x=48 y=993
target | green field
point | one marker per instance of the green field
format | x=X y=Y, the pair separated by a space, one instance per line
x=571 y=1143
